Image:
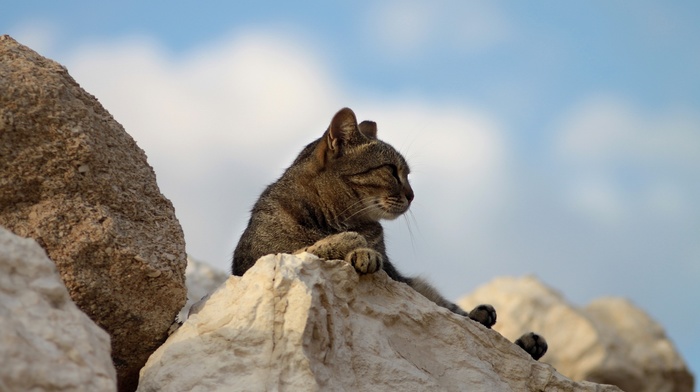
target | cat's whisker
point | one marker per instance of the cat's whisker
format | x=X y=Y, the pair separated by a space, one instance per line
x=361 y=210
x=343 y=219
x=410 y=233
x=355 y=204
x=413 y=218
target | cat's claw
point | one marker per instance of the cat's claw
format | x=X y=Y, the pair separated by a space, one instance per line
x=484 y=315
x=533 y=344
x=365 y=260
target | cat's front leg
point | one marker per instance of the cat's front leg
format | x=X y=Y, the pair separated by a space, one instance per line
x=336 y=246
x=349 y=246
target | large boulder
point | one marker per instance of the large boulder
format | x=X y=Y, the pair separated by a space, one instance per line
x=76 y=182
x=299 y=323
x=609 y=341
x=46 y=342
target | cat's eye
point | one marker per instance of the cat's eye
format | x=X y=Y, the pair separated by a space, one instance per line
x=394 y=171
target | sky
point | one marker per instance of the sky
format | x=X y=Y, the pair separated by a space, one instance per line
x=556 y=139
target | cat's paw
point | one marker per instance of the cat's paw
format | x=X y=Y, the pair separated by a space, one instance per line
x=365 y=260
x=484 y=314
x=533 y=344
x=349 y=240
x=336 y=246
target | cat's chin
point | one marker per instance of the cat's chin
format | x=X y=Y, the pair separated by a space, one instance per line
x=389 y=209
x=389 y=215
x=381 y=214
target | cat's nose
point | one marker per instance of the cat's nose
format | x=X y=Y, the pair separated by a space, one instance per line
x=408 y=192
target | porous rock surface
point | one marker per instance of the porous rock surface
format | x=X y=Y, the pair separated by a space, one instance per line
x=76 y=182
x=608 y=341
x=299 y=323
x=46 y=342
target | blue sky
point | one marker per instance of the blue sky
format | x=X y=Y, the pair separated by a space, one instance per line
x=558 y=139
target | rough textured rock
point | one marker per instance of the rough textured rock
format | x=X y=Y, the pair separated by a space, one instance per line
x=609 y=341
x=300 y=323
x=201 y=280
x=46 y=342
x=72 y=179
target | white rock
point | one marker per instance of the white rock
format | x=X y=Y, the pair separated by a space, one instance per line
x=201 y=279
x=609 y=341
x=46 y=342
x=303 y=324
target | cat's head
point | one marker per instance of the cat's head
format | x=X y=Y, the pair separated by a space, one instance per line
x=370 y=175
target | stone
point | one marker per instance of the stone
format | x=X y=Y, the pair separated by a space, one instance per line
x=76 y=182
x=201 y=279
x=300 y=323
x=46 y=342
x=608 y=341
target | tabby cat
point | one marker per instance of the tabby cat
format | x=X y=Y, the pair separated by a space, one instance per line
x=329 y=202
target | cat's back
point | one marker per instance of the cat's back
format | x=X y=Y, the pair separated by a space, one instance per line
x=275 y=224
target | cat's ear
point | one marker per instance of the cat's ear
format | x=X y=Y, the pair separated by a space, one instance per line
x=343 y=130
x=369 y=129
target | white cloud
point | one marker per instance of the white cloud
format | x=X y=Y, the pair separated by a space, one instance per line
x=222 y=121
x=458 y=155
x=409 y=28
x=611 y=129
x=247 y=91
x=668 y=199
x=404 y=27
x=598 y=199
x=623 y=162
